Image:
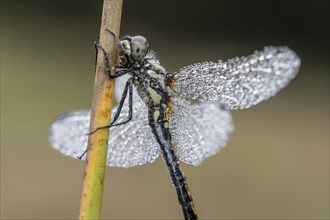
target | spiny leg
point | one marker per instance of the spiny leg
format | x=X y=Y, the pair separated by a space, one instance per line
x=117 y=40
x=121 y=48
x=96 y=50
x=129 y=89
x=106 y=57
x=107 y=63
x=130 y=105
x=119 y=72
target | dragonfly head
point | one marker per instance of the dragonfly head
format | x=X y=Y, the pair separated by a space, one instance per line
x=139 y=48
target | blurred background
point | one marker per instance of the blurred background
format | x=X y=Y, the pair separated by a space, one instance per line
x=276 y=164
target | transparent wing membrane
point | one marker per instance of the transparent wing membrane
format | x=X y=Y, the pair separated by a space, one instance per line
x=199 y=130
x=131 y=144
x=68 y=133
x=240 y=82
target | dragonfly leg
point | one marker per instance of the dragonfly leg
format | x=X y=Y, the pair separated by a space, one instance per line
x=119 y=72
x=128 y=89
x=117 y=40
x=96 y=49
x=130 y=105
x=81 y=156
x=106 y=57
x=106 y=60
x=121 y=48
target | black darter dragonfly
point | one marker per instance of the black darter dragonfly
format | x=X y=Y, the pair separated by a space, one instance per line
x=183 y=115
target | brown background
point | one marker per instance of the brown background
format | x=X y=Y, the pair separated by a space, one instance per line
x=276 y=164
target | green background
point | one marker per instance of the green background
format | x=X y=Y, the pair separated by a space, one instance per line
x=276 y=164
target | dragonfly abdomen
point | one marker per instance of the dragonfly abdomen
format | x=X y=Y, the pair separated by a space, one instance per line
x=164 y=140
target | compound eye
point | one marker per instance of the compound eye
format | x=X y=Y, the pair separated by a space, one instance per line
x=139 y=48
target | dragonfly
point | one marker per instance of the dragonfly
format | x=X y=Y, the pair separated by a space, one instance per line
x=184 y=116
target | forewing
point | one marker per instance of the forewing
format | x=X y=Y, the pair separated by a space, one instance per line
x=199 y=130
x=239 y=82
x=130 y=144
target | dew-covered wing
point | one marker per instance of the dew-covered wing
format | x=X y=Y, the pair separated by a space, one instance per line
x=68 y=133
x=240 y=82
x=199 y=130
x=130 y=144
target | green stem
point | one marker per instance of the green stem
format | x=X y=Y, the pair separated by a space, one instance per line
x=92 y=191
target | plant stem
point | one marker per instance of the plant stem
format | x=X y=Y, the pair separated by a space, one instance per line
x=92 y=191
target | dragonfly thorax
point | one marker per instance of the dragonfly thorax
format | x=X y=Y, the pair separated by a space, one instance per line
x=152 y=84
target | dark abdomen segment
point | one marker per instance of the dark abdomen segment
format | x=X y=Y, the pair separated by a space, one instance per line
x=163 y=137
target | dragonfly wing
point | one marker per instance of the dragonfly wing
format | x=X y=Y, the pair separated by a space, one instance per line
x=130 y=144
x=199 y=130
x=239 y=82
x=68 y=133
x=133 y=143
